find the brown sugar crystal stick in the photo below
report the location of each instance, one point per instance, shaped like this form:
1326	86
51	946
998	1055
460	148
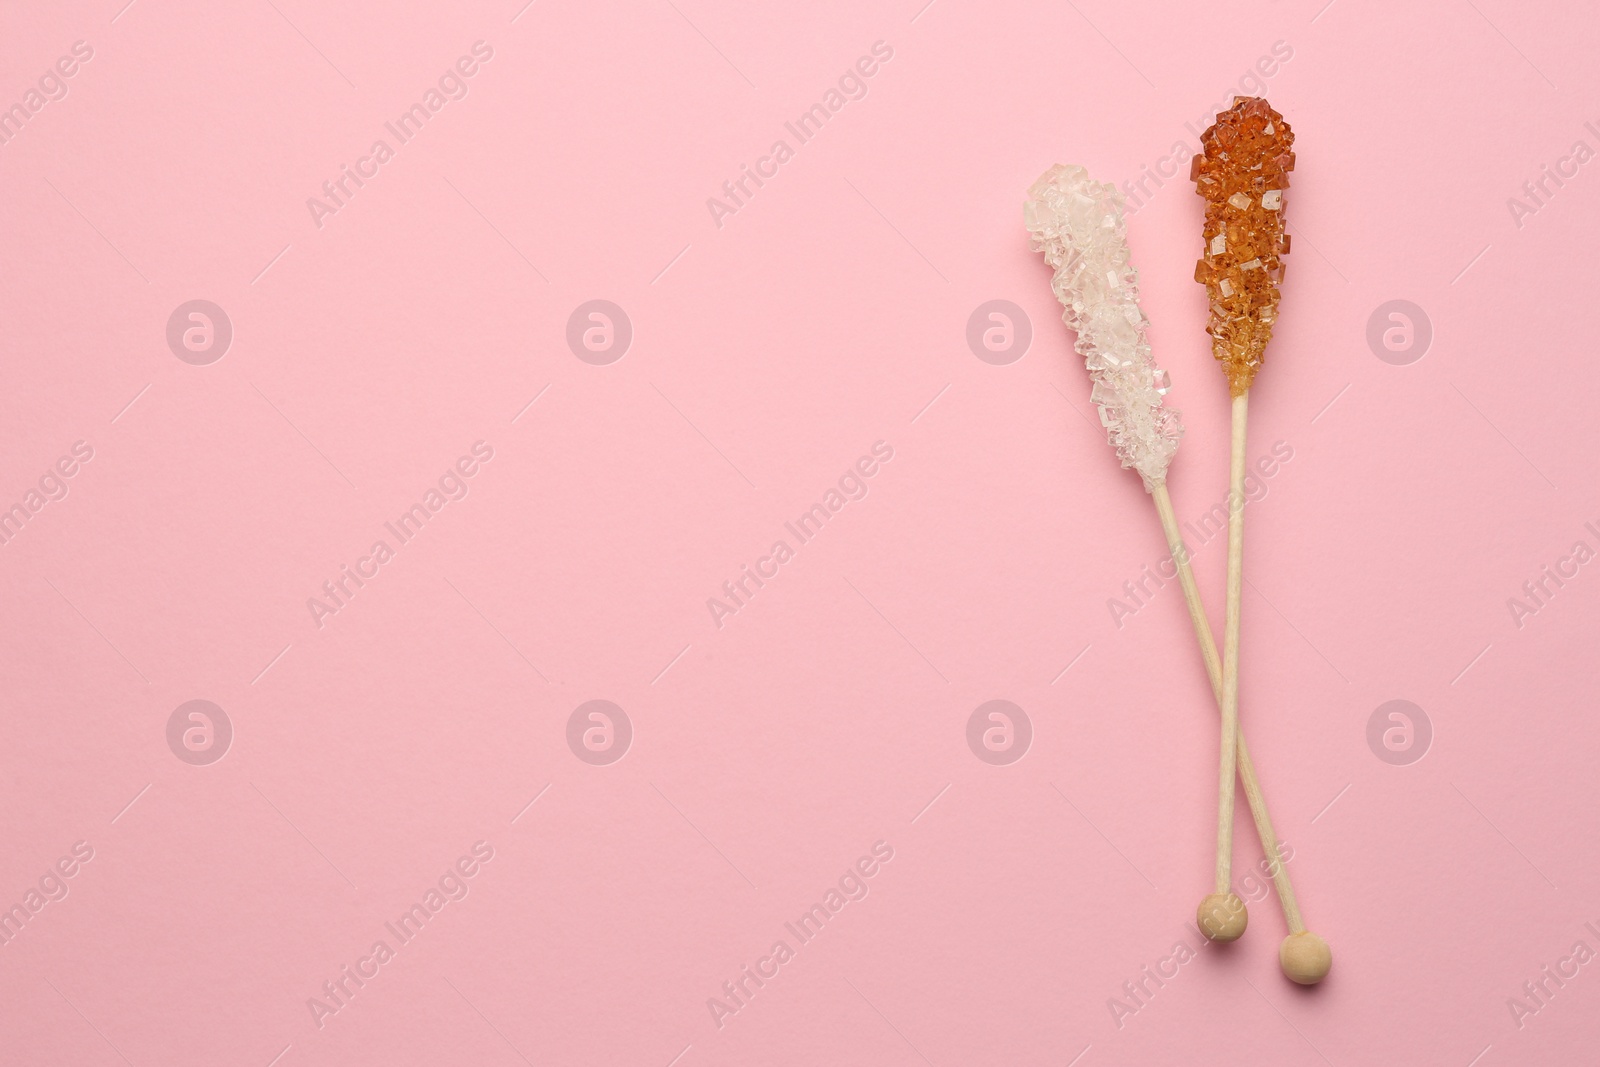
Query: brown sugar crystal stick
1242	172
1080	227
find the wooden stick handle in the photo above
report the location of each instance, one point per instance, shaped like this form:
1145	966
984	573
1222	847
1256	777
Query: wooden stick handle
1230	644
1208	653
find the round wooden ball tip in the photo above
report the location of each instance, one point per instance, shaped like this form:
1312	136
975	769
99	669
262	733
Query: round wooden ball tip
1222	917
1305	958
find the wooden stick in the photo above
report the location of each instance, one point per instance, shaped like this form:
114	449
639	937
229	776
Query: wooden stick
1230	644
1208	653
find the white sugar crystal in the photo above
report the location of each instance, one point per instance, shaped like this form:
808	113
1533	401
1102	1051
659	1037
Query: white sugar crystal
1272	199
1219	244
1079	226
1239	200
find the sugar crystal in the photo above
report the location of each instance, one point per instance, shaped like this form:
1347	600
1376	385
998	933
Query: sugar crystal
1247	151
1078	224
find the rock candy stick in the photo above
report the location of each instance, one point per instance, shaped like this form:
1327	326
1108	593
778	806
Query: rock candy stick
1242	173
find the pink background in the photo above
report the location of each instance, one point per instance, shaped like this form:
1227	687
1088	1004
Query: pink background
830	712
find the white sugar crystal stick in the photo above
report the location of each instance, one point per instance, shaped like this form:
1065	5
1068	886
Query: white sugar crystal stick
1078	224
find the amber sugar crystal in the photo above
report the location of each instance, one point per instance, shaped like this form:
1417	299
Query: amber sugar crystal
1243	171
